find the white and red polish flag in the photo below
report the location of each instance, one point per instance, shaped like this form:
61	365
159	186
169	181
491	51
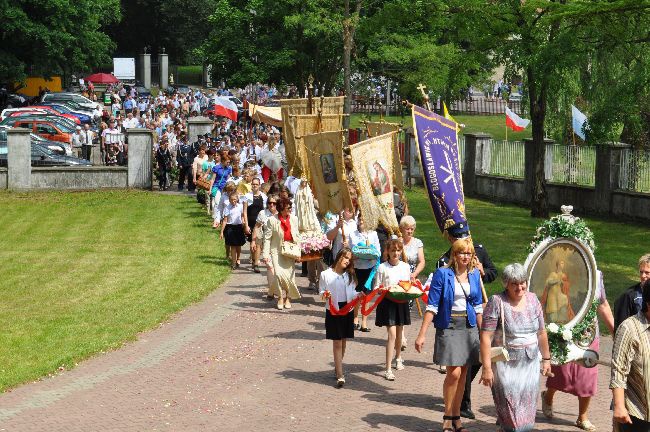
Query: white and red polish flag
226	108
514	122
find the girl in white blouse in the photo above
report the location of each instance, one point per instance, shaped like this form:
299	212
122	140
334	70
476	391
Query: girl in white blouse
339	282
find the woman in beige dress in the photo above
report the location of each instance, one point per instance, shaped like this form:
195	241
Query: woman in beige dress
282	227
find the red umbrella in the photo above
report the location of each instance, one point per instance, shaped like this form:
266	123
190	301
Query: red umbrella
102	78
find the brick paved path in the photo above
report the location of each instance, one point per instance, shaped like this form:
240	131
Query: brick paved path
234	363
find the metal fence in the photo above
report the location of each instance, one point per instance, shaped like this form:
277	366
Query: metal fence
635	170
501	158
481	106
570	164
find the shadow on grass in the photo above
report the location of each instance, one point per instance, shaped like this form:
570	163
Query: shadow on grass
212	259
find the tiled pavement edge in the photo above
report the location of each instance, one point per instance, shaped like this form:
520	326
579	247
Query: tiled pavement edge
234	362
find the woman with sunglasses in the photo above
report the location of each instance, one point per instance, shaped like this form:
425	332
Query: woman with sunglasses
257	241
455	306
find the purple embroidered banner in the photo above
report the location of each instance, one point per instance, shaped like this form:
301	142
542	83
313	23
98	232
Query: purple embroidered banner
437	143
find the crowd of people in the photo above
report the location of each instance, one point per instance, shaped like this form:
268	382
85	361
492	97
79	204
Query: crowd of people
242	170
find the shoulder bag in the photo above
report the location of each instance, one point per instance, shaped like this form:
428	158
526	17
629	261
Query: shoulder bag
500	353
290	250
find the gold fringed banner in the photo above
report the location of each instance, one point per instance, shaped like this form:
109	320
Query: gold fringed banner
326	166
372	163
288	107
380	128
307	124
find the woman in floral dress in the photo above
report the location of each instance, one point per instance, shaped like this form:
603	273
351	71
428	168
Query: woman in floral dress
515	383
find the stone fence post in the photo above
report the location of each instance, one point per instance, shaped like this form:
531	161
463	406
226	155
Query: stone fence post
198	126
140	155
19	159
475	146
608	173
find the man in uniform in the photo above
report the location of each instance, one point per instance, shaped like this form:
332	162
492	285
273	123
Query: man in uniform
184	159
488	273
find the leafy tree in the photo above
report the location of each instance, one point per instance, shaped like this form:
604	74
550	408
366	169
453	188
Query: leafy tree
180	26
50	37
545	40
421	42
275	41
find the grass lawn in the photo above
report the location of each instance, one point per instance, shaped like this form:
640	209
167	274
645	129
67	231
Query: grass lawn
84	272
506	231
493	125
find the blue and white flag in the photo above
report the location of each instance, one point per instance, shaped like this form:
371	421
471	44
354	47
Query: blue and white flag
579	122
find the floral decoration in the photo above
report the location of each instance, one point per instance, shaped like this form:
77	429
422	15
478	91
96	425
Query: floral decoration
560	336
313	242
559	226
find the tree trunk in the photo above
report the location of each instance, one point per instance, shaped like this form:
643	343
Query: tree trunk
349	27
538	95
347	53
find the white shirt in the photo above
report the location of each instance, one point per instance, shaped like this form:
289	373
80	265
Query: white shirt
88	137
248	198
389	275
369	238
233	213
342	287
349	227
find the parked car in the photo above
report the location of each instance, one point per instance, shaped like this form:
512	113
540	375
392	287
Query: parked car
43	157
37	110
46	129
65	112
55	147
514	97
66	125
74	97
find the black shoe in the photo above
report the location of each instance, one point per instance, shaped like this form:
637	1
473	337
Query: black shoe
467	413
365	329
357	326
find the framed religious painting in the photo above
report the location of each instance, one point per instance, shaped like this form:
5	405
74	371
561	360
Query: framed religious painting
562	273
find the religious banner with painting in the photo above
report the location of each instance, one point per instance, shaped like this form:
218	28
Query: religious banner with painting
289	107
380	128
327	171
307	124
372	163
437	144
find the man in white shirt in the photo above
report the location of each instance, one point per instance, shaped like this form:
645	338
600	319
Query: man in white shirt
77	140
87	142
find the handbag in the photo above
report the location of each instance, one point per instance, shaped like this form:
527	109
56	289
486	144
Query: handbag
290	250
500	353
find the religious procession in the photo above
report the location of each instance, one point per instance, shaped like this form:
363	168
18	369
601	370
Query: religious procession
306	200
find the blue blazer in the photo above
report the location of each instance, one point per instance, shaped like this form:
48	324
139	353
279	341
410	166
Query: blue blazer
441	294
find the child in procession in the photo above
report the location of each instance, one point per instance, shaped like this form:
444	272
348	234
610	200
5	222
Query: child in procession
391	314
232	228
339	283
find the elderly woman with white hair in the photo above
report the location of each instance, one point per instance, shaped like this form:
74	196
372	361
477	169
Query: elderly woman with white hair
413	253
514	320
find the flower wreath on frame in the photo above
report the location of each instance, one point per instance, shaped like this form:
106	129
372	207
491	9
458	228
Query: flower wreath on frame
559	336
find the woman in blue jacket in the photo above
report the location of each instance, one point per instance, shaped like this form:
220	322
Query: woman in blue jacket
455	306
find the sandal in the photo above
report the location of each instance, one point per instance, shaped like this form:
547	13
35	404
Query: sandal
458	429
452	418
585	425
547	408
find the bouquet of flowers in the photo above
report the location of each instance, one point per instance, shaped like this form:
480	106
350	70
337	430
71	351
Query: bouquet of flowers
313	242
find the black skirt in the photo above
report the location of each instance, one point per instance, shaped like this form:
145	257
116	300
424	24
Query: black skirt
362	277
339	327
390	313
234	235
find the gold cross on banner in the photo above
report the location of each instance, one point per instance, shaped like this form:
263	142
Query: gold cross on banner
425	96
